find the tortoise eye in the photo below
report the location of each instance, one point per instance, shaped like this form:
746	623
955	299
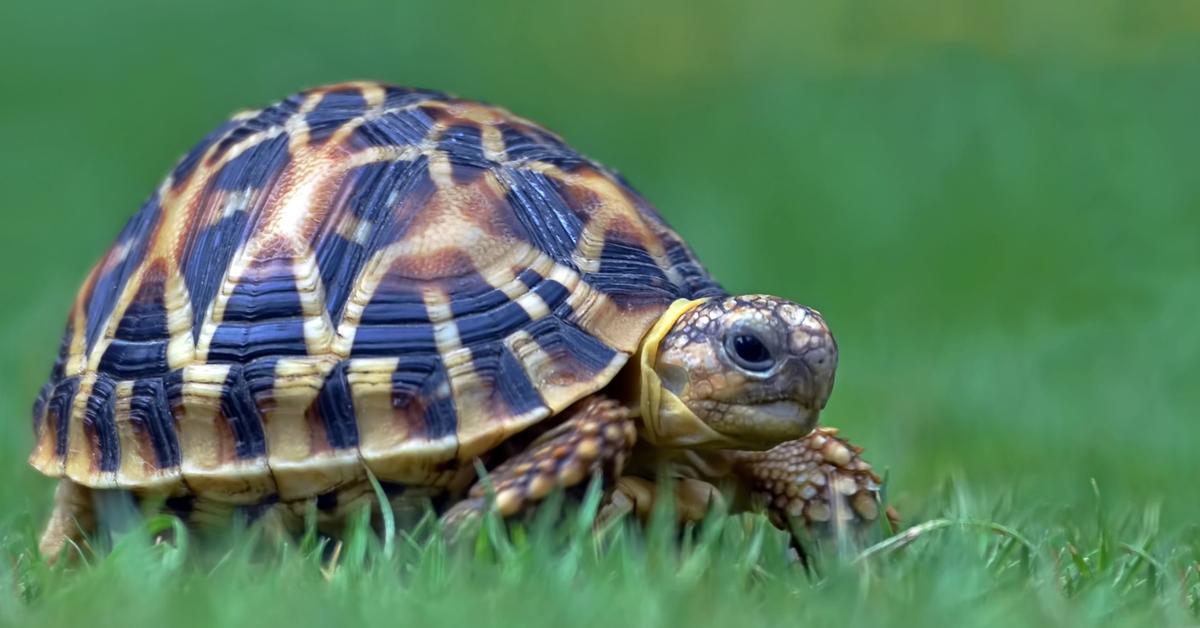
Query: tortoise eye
749	352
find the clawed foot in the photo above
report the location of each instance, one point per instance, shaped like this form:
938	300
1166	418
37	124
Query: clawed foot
817	486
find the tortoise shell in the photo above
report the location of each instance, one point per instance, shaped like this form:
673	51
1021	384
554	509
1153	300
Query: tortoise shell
358	275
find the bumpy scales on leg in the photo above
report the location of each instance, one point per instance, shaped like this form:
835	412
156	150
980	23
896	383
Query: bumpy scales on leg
596	438
820	480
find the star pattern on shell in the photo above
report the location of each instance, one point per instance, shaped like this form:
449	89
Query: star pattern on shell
358	275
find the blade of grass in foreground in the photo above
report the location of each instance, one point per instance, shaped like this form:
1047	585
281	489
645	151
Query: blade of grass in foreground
561	569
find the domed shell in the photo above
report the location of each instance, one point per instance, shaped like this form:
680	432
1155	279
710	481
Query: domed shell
358	275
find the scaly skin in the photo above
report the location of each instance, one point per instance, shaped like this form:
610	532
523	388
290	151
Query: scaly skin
596	439
709	397
820	482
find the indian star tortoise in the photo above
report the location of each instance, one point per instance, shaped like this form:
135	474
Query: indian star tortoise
367	279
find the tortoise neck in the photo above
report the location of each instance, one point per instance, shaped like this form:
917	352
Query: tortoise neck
666	420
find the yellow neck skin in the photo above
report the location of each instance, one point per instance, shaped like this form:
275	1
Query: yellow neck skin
666	420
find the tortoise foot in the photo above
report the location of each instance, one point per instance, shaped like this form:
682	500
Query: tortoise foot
820	481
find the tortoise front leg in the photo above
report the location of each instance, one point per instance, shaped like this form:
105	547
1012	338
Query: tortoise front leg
820	480
596	438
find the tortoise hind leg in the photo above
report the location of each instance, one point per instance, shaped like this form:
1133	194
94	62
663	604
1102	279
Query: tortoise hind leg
72	519
596	438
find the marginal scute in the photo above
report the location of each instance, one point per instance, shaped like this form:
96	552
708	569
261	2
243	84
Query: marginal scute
100	426
297	435
59	410
150	417
240	411
406	416
220	434
335	408
360	276
566	360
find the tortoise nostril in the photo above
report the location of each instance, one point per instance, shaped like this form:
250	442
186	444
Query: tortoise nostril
820	362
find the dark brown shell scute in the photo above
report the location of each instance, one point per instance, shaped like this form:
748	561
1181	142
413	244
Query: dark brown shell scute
358	275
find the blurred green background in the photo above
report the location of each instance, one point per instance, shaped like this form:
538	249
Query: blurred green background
996	204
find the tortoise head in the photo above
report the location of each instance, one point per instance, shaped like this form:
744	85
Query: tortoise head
747	372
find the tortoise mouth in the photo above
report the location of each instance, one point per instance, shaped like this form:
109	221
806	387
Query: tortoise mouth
780	410
768	423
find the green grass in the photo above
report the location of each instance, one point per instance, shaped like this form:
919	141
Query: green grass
1052	568
995	205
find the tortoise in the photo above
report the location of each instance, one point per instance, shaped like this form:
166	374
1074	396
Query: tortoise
367	285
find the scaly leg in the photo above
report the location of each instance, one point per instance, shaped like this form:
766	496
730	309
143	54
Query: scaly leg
820	480
596	438
72	519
